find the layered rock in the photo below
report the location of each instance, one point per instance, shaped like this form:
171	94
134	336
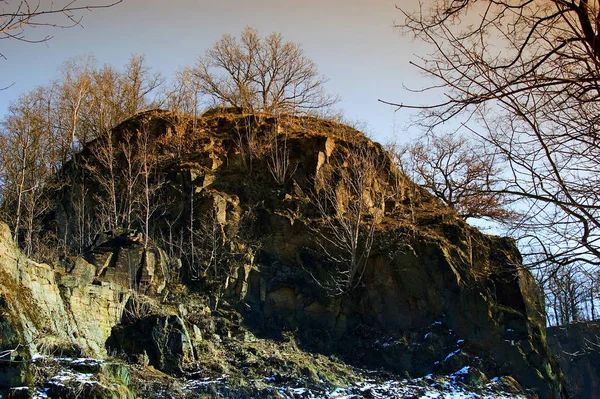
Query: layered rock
71	310
55	312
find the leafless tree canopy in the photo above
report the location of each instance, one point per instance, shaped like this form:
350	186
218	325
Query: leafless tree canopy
45	127
570	295
261	74
523	77
463	176
18	17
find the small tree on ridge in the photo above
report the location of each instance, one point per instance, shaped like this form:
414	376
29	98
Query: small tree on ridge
261	75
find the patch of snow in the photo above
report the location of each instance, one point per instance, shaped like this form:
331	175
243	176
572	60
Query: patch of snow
428	387
451	354
87	361
65	377
64	359
39	394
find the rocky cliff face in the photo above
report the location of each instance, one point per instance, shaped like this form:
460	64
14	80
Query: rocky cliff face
576	347
48	310
251	213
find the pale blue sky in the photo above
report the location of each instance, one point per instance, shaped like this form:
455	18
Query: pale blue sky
352	41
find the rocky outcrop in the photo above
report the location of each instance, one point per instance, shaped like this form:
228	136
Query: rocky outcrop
432	294
577	349
411	290
48	311
161	341
121	257
49	308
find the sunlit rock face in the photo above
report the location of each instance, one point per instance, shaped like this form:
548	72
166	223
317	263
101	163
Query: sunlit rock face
56	310
430	295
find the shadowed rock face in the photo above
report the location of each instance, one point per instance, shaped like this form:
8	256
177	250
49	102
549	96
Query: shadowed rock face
577	349
434	295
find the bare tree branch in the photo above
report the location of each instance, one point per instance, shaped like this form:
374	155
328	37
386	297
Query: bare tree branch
261	75
16	18
523	77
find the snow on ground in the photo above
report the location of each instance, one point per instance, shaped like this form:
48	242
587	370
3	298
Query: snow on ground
428	387
285	387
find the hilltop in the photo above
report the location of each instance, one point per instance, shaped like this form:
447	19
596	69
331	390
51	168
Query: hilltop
232	243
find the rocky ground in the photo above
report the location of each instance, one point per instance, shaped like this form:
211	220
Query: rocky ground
67	378
229	361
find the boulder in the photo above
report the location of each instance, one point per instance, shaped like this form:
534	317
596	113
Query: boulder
164	340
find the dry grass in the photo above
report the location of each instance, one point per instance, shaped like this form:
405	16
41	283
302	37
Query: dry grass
53	345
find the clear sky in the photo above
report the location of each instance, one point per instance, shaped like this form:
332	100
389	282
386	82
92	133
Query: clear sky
353	43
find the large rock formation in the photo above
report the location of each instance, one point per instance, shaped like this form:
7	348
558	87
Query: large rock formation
248	208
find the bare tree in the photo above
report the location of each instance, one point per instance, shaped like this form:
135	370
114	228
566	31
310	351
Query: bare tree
208	244
73	89
151	181
565	294
523	78
17	17
130	176
102	169
460	174
29	158
261	75
43	130
117	95
183	95
137	82
245	129
350	206
278	155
